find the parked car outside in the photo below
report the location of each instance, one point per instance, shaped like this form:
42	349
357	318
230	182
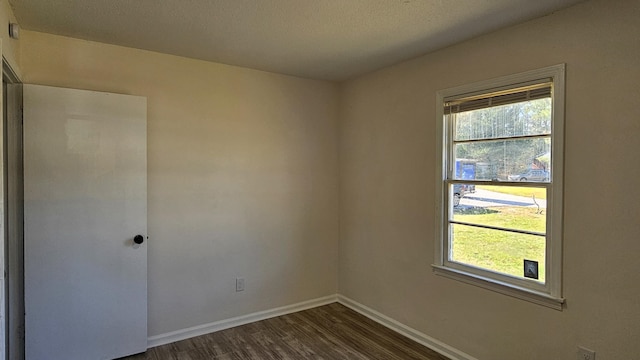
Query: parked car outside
458	192
531	175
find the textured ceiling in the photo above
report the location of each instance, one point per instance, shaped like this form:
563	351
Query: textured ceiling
321	39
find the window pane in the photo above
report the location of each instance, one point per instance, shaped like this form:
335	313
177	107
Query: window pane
507	160
518	119
498	251
510	207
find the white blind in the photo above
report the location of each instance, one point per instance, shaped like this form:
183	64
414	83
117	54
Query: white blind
497	98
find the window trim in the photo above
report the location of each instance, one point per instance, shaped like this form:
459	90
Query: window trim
549	294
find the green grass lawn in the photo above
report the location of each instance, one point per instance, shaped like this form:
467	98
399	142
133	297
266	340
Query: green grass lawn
540	193
499	250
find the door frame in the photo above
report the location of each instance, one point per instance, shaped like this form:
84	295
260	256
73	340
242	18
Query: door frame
13	196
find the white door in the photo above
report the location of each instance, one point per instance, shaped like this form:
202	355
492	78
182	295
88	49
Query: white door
85	178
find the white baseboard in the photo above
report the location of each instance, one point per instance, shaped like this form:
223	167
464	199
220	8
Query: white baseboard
431	343
203	329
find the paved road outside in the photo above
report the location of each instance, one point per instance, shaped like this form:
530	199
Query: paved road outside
485	198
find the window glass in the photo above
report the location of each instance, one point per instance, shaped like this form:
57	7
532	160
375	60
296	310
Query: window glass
520	119
498	227
510	142
498	251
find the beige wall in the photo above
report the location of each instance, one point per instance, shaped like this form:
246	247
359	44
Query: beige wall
10	47
388	162
242	176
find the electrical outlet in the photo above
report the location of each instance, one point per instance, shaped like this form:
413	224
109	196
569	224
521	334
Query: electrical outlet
586	354
239	284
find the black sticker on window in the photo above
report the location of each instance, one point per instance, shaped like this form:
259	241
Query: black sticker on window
531	269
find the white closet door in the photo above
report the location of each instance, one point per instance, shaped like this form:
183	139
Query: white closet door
85	178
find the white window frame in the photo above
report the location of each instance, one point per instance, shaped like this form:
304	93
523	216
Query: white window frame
547	294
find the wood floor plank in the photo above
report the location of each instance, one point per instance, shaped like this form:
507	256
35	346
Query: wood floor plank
149	355
364	346
324	333
372	331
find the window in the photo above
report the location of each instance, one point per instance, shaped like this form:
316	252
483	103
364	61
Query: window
499	222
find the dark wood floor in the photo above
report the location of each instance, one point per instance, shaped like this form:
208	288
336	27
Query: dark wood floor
327	332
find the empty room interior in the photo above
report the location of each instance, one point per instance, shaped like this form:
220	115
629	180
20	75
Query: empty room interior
300	155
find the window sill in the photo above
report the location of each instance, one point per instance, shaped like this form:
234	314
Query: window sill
501	287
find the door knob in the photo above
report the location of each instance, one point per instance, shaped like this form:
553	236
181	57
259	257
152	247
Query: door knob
138	239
